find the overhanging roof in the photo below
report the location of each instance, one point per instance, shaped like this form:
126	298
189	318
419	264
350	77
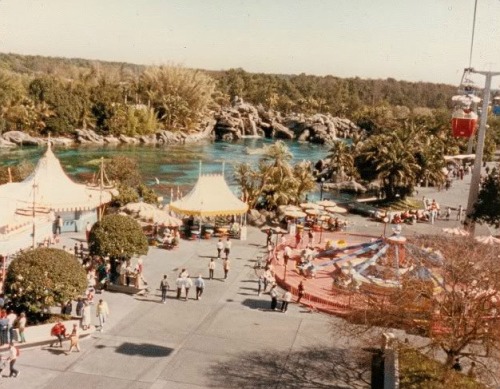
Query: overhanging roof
210	196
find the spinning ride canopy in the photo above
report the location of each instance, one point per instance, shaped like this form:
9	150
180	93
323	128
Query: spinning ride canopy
210	196
53	189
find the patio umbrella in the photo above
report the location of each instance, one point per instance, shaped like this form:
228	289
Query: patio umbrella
487	239
163	218
314	212
327	203
291	208
295	214
336	209
310	206
137	208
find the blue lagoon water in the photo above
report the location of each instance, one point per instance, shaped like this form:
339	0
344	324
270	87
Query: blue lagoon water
174	166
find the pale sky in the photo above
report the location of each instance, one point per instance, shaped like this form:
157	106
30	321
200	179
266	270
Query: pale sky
418	40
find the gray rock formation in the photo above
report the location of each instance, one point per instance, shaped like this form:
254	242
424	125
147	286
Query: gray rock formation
88	137
5	144
129	140
243	119
21	139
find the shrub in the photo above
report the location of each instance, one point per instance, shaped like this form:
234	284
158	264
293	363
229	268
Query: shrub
42	278
116	236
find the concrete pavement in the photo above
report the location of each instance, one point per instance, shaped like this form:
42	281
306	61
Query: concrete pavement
199	344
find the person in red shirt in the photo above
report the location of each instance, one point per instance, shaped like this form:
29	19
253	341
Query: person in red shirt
59	331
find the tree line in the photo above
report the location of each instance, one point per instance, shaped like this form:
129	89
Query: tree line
58	95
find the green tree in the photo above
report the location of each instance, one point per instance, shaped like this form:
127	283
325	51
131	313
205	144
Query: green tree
394	162
117	235
341	161
487	207
275	181
179	96
124	171
42	278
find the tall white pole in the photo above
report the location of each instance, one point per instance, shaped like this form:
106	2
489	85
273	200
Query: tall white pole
478	161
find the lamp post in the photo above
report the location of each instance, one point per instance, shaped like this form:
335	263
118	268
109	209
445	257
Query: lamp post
478	161
321	183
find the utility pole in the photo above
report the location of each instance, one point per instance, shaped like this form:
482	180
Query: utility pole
478	161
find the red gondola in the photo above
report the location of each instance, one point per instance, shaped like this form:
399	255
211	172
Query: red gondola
464	122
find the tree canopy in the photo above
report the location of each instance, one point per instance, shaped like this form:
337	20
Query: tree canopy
116	236
42	278
487	207
275	181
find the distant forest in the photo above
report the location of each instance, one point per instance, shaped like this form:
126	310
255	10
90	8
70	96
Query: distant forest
41	94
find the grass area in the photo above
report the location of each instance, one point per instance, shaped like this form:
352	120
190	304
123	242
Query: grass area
418	371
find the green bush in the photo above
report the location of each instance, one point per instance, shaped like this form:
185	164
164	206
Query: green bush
117	236
42	278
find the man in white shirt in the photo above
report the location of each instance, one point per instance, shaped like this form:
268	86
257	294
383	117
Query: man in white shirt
227	247
220	247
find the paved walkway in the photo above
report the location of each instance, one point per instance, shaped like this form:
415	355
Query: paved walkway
229	339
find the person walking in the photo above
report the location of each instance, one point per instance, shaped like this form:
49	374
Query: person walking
164	287
59	331
102	312
260	283
211	269
21	326
220	247
287	297
287	254
86	314
227	247
59	225
274	297
199	283
88	228
459	213
298	238
188	283
310	235
12	358
179	284
79	306
227	266
74	339
301	291
11	318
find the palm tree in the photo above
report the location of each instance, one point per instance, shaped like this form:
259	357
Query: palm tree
304	180
341	160
394	162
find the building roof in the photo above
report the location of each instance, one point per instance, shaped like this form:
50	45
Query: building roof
49	187
210	196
